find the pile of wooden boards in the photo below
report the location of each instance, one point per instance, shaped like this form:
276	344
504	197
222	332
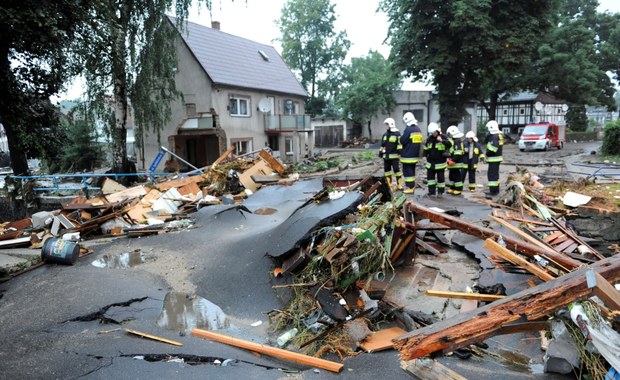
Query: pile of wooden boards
565	279
143	208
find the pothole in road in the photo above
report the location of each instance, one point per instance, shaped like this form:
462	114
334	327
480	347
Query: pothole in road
120	261
184	312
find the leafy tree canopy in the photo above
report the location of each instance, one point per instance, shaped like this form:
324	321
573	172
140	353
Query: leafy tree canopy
369	83
312	48
33	66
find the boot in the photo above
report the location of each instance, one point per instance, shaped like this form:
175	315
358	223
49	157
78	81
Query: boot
388	182
409	190
400	183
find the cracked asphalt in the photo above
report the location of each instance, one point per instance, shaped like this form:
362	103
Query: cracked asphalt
65	322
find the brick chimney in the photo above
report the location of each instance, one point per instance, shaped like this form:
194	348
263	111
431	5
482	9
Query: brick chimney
215	25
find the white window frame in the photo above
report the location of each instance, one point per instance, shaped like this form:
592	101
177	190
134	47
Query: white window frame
240	106
242	146
289	146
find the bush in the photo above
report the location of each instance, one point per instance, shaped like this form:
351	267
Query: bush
611	139
581	136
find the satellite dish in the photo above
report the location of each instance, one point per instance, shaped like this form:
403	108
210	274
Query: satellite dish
538	106
264	105
564	107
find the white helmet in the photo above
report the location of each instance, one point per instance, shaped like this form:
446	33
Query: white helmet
471	135
409	119
454	131
432	128
390	122
493	127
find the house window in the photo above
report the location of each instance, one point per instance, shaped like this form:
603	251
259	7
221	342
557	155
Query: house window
291	107
242	146
190	109
288	143
239	106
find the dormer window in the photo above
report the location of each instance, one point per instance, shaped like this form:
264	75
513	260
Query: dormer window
264	55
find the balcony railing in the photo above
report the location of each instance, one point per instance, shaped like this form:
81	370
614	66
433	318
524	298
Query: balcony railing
287	123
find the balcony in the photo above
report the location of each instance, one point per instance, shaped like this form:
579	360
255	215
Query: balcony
287	123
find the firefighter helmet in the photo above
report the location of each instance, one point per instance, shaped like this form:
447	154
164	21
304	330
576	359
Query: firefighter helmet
409	119
432	128
493	127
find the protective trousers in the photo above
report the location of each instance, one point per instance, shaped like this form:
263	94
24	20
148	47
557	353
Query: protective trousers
455	177
436	178
409	174
493	177
392	167
470	170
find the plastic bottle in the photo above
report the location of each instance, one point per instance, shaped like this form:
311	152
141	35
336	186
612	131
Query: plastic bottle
284	338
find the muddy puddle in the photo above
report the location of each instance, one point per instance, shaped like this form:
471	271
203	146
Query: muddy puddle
265	211
120	261
184	312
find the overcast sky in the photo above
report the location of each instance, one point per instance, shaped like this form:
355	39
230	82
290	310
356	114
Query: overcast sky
255	20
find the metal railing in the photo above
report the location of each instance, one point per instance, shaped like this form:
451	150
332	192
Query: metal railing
84	177
287	123
599	171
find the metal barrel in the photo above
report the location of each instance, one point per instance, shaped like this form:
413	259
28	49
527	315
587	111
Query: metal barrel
60	251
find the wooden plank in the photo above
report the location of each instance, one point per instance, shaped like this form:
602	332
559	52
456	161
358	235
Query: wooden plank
528	249
191	188
110	186
509	256
17	242
465	296
564	245
153	337
260	167
517	231
223	156
271	351
603	290
180	182
480	324
429	369
381	340
132	192
549	238
275	165
570	248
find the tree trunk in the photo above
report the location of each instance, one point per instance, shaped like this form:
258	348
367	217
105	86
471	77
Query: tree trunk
493	106
19	162
119	80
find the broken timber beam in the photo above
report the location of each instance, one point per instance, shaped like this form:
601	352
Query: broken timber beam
487	321
466	226
465	296
271	351
509	256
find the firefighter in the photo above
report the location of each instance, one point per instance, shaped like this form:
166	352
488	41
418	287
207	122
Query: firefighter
472	152
494	146
436	152
390	151
455	162
411	141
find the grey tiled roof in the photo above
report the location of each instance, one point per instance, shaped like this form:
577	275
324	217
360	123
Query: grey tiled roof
234	61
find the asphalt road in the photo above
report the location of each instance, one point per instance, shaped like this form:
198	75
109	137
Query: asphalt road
63	321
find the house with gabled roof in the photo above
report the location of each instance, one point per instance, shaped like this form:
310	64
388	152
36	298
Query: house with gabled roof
236	92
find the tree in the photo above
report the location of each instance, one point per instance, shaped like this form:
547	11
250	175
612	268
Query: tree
33	67
369	83
611	139
81	151
129	61
576	118
312	48
571	65
469	49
